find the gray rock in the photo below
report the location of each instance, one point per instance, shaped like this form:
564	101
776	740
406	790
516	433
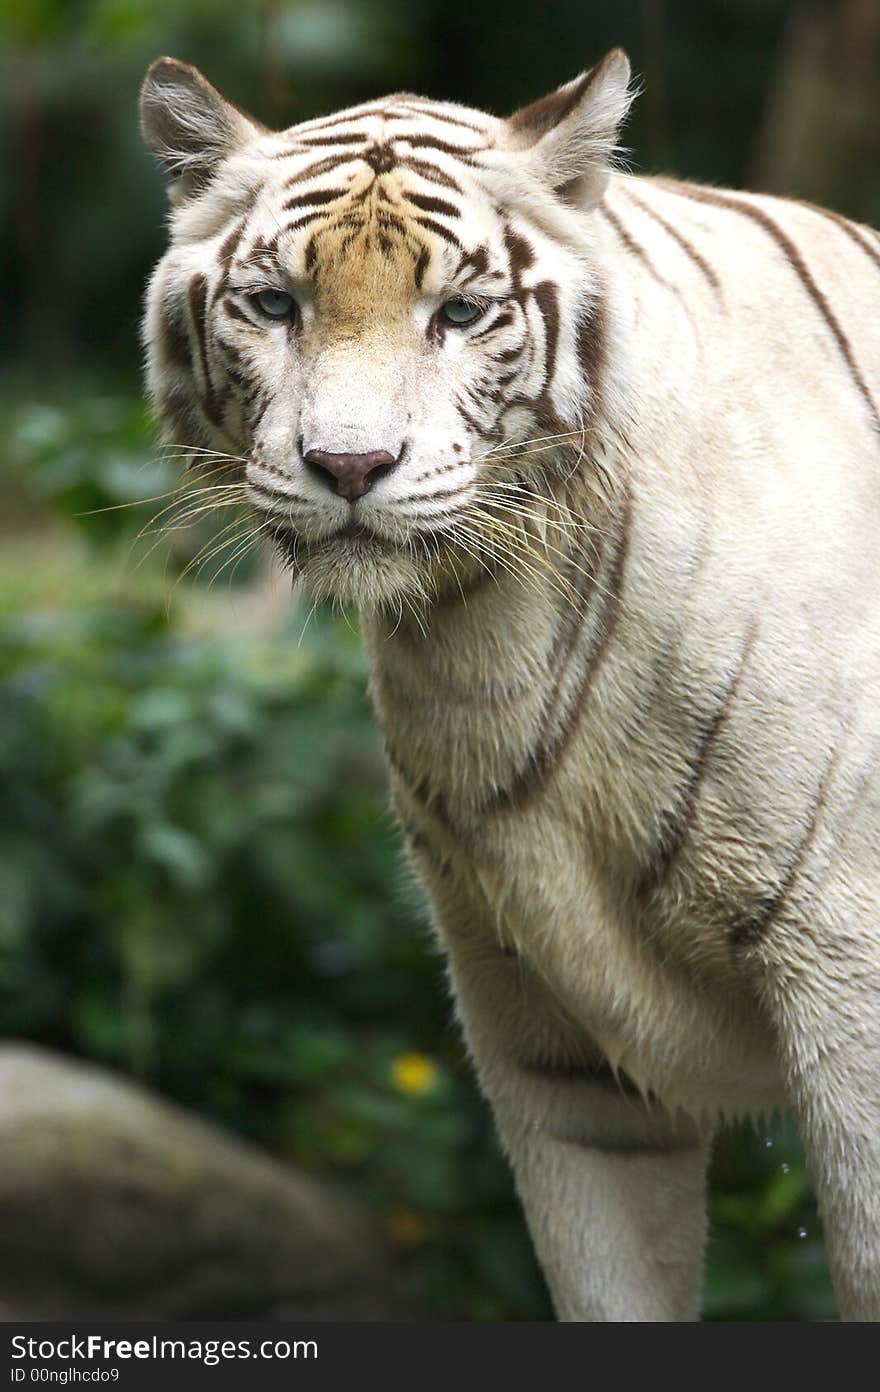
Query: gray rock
117	1204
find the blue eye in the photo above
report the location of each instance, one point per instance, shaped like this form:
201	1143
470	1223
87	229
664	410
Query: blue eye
275	304
461	312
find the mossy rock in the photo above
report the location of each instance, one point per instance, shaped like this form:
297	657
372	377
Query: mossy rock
115	1203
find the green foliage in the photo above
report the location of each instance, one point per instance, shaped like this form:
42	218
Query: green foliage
766	1260
201	884
89	457
86	457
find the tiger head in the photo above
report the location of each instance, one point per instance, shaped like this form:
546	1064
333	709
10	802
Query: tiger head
389	317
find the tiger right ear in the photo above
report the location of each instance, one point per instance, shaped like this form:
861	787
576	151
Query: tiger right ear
189	124
571	134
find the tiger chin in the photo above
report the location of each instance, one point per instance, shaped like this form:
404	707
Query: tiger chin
597	458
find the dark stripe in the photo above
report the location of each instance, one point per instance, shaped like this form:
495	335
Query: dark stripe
259	247
546	757
853	230
635	248
420	842
429	142
596	1071
476	262
432	205
308	137
591	350
421	266
197	295
381	159
177	410
439	230
521	255
390	221
432	173
501	322
235	312
673	835
355	138
750	931
173	339
428	110
631	1146
322	166
387	216
343	118
352	218
436	472
229	350
308	218
261	407
422	791
484	432
315	199
547	301
687	247
228	248
481	394
798	265
429	497
276	495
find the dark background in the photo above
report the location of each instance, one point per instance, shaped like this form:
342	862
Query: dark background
200	883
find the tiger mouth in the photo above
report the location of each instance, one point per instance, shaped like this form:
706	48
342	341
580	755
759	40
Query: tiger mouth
354	538
356	545
359	534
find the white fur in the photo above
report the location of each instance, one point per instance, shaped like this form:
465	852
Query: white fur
725	673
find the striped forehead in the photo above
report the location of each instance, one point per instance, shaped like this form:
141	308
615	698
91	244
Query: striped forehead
451	129
392	184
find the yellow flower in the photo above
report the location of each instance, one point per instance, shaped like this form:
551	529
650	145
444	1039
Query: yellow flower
413	1074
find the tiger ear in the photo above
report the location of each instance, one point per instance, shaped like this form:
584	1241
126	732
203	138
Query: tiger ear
189	124
571	134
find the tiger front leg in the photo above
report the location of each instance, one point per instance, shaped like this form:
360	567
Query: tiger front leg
613	1188
823	986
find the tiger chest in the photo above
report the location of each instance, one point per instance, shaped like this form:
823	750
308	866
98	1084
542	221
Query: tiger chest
524	899
567	869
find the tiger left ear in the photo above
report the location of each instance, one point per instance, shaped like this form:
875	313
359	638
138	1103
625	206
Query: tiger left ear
571	134
189	124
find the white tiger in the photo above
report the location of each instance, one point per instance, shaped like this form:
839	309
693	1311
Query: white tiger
597	457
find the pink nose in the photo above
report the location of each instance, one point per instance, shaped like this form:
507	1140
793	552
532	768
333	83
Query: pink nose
352	475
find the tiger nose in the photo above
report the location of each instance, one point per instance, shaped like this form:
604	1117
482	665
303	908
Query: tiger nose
352	475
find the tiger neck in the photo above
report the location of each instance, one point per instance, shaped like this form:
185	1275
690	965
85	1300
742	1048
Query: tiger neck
478	700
